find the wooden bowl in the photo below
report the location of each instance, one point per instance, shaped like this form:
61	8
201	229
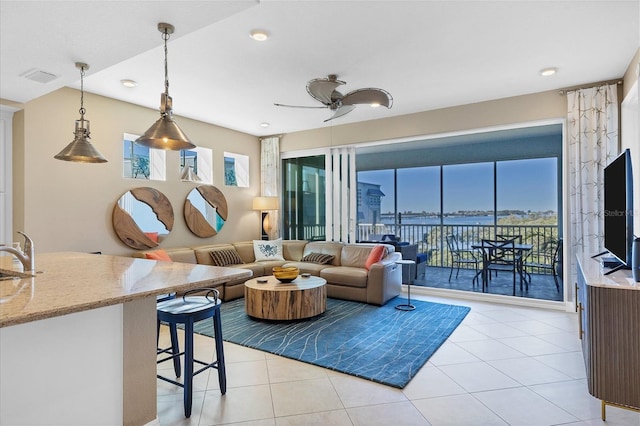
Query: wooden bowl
285	275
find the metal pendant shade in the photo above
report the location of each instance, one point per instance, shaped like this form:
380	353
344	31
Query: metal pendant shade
81	150
165	133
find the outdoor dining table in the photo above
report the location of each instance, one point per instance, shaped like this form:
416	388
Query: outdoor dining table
518	249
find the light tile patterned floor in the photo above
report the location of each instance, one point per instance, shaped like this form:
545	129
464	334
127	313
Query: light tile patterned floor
504	365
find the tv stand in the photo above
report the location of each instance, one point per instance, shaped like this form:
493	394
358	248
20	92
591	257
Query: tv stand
609	326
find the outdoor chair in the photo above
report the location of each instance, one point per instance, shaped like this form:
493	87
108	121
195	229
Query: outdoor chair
501	255
548	259
461	256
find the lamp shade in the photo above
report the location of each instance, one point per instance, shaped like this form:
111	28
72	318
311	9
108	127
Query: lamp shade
266	203
165	133
81	150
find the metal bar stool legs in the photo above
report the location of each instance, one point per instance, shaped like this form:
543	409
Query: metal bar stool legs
188	310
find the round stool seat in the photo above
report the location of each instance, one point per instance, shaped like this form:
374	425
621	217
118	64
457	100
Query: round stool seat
194	307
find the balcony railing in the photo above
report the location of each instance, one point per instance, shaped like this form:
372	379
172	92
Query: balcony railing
430	239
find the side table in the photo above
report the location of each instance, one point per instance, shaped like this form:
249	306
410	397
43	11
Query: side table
410	265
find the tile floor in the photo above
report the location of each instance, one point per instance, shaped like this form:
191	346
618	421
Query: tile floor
504	365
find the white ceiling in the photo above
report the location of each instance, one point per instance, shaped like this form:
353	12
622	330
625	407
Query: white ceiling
427	54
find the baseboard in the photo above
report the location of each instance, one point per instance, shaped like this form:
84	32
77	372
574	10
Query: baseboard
494	298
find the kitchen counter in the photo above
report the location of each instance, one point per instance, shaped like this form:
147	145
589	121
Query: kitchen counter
78	339
69	282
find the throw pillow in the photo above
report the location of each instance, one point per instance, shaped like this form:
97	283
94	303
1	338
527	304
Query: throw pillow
225	257
319	258
376	255
268	250
159	254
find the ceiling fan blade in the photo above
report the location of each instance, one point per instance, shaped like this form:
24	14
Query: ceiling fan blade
299	106
369	96
324	89
344	109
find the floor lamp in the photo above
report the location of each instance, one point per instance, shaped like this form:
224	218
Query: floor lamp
264	204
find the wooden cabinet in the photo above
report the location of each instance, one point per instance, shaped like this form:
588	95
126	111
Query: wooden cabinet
609	315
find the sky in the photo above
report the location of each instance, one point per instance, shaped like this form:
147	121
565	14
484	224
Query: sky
522	185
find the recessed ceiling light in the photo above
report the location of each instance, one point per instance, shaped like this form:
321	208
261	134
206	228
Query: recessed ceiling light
259	35
375	105
264	124
128	83
546	72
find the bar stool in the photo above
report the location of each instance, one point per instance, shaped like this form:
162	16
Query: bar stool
187	310
173	333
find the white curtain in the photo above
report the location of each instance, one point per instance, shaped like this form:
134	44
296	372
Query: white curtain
270	177
341	195
592	131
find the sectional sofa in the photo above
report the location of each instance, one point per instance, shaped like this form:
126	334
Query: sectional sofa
344	266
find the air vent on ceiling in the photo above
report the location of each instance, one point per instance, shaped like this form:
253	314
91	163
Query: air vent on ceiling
39	76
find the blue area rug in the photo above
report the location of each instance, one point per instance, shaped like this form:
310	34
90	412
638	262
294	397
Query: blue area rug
378	343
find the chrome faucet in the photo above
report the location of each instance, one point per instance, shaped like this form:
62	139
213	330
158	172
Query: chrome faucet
26	257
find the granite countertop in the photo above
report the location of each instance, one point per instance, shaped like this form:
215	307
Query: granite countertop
69	282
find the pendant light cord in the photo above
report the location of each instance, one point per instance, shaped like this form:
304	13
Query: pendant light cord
165	37
82	110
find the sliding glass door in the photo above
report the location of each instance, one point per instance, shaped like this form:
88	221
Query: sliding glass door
304	198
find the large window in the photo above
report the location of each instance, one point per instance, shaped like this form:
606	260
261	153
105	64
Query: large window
304	198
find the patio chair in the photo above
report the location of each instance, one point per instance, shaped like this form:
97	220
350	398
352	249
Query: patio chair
548	260
461	256
501	255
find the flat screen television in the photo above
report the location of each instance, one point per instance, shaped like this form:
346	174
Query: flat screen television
618	208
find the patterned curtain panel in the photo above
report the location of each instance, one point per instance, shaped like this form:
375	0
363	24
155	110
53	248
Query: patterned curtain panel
592	131
270	177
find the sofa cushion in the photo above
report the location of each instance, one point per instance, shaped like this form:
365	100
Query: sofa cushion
345	275
225	257
293	249
308	267
320	258
325	247
376	255
268	250
245	250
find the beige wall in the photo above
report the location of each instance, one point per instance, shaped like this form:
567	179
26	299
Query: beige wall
500	112
68	206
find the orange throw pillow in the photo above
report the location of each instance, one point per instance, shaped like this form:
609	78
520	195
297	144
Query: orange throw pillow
376	255
159	254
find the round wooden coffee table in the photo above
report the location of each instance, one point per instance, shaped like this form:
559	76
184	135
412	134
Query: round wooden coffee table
273	300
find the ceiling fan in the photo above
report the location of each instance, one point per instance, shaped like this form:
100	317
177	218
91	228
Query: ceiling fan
324	91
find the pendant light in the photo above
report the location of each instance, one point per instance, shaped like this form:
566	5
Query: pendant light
81	150
165	133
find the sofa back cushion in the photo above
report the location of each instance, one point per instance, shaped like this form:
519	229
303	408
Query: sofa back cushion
356	255
245	250
293	249
203	253
325	247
